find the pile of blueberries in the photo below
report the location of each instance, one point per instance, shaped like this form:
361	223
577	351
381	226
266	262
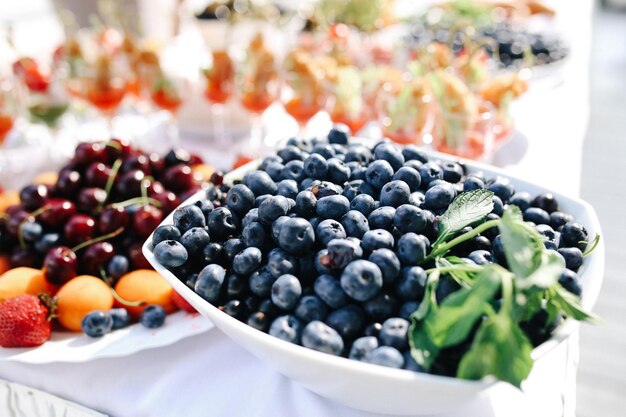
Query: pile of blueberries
511	43
323	244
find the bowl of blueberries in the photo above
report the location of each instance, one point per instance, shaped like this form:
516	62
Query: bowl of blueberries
382	276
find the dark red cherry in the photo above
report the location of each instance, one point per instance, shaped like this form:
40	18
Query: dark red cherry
178	178
177	156
68	183
157	163
33	196
140	162
168	201
58	212
155	187
79	228
118	148
97	175
15	221
113	218
24	257
87	153
146	219
129	184
217	177
95	257
89	199
60	265
195	159
136	258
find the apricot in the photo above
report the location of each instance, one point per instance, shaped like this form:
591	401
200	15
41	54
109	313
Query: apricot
23	280
7	199
78	297
147	286
47	178
203	171
5	264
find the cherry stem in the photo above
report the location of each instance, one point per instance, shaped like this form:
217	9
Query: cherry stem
594	244
118	297
107	188
138	200
113	144
97	239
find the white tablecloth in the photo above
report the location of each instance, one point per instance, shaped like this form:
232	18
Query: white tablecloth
208	375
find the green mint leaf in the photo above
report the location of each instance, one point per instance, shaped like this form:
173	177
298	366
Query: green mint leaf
551	266
458	313
501	349
423	349
463	277
466	210
568	304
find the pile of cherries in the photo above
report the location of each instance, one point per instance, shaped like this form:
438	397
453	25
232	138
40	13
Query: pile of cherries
94	219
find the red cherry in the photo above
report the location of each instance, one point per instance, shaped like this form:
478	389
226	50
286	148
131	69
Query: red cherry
79	228
33	196
24	257
195	159
140	162
129	184
136	258
97	175
146	219
15	221
89	199
13	209
118	148
58	212
68	183
112	218
157	164
95	257
168	201
178	178
155	187
184	196
60	265
87	153
217	177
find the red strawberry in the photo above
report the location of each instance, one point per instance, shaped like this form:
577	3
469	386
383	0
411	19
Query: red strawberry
24	322
181	303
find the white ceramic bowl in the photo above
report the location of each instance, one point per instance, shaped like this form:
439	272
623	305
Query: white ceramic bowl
376	388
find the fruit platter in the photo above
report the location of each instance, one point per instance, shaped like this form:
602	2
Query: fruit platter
385	278
72	261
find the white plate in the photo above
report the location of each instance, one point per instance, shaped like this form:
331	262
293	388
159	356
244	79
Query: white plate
76	347
375	388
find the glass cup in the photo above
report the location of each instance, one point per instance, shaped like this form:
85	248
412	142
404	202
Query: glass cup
468	135
168	93
347	103
219	88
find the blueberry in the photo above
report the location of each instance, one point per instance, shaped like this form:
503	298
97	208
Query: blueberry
574	235
378	174
165	232
358	153
275	172
296	236
363	203
410	364
381	307
430	171
209	283
293	170
382	218
340	252
152	317
357	172
120	318
316	166
280	263
410	286
277	226
408	308
260	183
481	257
235	308
413	153
329	290
546	202
254	235
287	188
332	207
96	323
325	189
259	321
291	153
260	282
355	224
472	183
260	199
362	347
191	281
388	263
287	328
338	172
31	231
415	164
452	172
377	239
573	258
412	248
390	153
559	219
385	356
117	266
395	193
187	217
272	208
321	337
339	134
268	160
286	292
232	247
498	206
305	204
247	261
409	218
410	176
328	230
348	321
373	330
536	215
170	253
310	308
503	188
522	200
47	242
546	231
236	286
194	240
498	250
352	188
222	223
361	280
440	196
325	150
394	333
571	282
212	253
240	199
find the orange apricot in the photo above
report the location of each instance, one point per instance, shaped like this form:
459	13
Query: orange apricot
47	178
8	198
23	280
147	286
78	297
5	264
203	171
